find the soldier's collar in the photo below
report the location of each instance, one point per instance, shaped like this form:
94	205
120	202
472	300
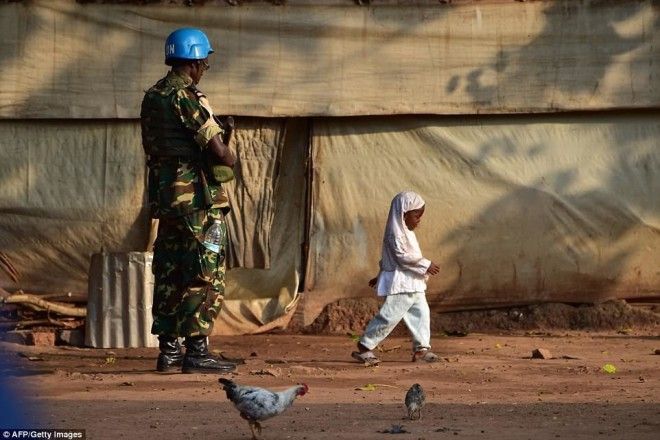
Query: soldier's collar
178	80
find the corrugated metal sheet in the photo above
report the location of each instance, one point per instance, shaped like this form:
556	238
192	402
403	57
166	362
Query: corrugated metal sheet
119	302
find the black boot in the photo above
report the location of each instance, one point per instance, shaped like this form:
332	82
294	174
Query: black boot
199	360
171	355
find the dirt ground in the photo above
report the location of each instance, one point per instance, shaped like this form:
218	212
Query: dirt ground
485	387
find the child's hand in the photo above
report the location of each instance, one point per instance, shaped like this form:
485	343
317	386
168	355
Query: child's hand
433	269
373	281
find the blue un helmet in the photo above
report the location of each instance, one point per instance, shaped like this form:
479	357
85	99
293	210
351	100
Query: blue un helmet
187	44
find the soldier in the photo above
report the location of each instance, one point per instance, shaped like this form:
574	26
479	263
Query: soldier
181	136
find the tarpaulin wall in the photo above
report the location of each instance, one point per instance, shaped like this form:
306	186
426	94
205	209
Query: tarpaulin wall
63	59
72	188
72	169
518	209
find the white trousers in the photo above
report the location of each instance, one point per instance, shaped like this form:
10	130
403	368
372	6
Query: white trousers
412	308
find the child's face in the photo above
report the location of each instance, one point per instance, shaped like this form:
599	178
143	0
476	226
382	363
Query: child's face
412	218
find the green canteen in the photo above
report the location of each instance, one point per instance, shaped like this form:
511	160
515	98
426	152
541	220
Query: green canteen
223	173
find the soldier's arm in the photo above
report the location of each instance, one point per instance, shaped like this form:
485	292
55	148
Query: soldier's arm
221	151
208	133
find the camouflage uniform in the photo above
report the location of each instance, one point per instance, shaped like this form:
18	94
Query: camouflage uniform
189	279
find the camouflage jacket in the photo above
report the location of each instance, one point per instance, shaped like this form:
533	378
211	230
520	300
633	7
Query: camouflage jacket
176	129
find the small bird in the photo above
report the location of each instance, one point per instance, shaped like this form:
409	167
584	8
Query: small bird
415	398
258	404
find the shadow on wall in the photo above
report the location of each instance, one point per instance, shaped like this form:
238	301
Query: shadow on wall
555	59
64	218
571	233
72	187
577	230
582	231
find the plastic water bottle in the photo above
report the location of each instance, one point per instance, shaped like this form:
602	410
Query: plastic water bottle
213	237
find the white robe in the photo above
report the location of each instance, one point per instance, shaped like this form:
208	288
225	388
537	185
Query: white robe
402	265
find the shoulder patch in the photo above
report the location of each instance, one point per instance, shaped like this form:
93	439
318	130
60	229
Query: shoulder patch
195	91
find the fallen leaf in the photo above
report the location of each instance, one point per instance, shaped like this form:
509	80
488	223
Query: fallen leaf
373	386
609	368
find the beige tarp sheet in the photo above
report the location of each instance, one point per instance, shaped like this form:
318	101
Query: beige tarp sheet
260	144
62	59
519	209
261	299
71	188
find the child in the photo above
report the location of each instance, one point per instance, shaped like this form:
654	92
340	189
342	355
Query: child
402	280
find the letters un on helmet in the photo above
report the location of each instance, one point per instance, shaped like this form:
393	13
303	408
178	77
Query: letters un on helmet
187	44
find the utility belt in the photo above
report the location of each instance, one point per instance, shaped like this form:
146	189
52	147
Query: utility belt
217	174
174	155
175	151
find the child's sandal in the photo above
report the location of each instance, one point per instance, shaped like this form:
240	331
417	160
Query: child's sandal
368	358
426	356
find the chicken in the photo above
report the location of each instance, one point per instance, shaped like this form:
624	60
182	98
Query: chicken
415	398
258	404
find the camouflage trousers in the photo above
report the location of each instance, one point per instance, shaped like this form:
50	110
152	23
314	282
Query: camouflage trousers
189	280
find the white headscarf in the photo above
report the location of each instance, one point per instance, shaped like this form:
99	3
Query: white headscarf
397	236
